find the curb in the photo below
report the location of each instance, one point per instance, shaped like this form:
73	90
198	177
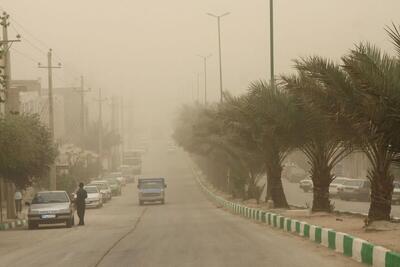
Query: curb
356	248
13	225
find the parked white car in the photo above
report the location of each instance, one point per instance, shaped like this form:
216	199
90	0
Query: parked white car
396	193
94	198
335	184
104	189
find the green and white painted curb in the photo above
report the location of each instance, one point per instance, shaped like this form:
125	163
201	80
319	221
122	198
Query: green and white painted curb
356	248
13	224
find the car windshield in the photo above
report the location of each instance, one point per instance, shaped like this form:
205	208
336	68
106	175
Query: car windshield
102	186
339	181
112	181
91	189
50	197
151	185
353	182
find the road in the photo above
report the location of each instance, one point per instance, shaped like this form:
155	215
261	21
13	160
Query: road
187	231
296	196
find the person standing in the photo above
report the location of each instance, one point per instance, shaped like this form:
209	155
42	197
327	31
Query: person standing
18	201
81	195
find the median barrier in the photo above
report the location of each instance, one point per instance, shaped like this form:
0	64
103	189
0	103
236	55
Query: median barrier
356	248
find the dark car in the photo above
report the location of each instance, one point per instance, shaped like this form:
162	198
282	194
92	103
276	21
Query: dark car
355	189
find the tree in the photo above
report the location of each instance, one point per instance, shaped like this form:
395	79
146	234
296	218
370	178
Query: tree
276	122
363	92
26	149
322	138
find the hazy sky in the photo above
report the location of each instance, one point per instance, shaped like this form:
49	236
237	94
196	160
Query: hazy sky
147	49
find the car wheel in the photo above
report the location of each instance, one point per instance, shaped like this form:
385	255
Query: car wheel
141	203
305	190
163	202
32	226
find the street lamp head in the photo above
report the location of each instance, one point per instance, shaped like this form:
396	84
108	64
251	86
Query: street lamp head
225	14
59	64
212	15
18	36
39	64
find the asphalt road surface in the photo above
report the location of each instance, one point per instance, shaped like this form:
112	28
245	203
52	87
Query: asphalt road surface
297	196
187	231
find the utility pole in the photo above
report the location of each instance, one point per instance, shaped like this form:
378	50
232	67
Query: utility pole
122	127
100	130
82	92
50	67
205	76
198	88
11	106
271	26
219	49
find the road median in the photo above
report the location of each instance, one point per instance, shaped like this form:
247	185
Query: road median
358	249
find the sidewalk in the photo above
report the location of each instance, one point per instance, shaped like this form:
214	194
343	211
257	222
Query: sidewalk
21	221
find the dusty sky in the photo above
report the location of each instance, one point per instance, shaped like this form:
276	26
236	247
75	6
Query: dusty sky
147	49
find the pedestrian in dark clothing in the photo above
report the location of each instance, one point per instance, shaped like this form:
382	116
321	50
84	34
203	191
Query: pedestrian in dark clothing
81	195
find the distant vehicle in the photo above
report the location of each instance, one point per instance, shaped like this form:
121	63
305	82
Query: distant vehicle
128	173
50	207
151	190
119	176
94	198
306	185
396	193
114	185
293	173
133	158
335	184
172	149
357	189
104	189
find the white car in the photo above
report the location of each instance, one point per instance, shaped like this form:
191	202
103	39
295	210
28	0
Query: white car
94	198
335	184
104	189
396	193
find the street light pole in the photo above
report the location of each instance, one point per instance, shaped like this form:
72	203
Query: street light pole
271	26
219	50
205	76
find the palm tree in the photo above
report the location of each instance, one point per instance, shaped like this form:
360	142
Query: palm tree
321	142
362	95
268	120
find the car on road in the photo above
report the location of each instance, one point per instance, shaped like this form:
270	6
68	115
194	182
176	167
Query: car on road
151	190
396	193
306	185
335	184
51	207
94	198
115	186
128	172
355	189
104	189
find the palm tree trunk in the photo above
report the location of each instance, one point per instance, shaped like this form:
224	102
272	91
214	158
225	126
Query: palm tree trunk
381	185
275	188
321	177
381	197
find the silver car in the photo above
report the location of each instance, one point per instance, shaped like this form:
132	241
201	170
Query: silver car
94	197
49	207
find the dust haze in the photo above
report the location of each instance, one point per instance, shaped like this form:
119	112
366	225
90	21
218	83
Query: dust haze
146	51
